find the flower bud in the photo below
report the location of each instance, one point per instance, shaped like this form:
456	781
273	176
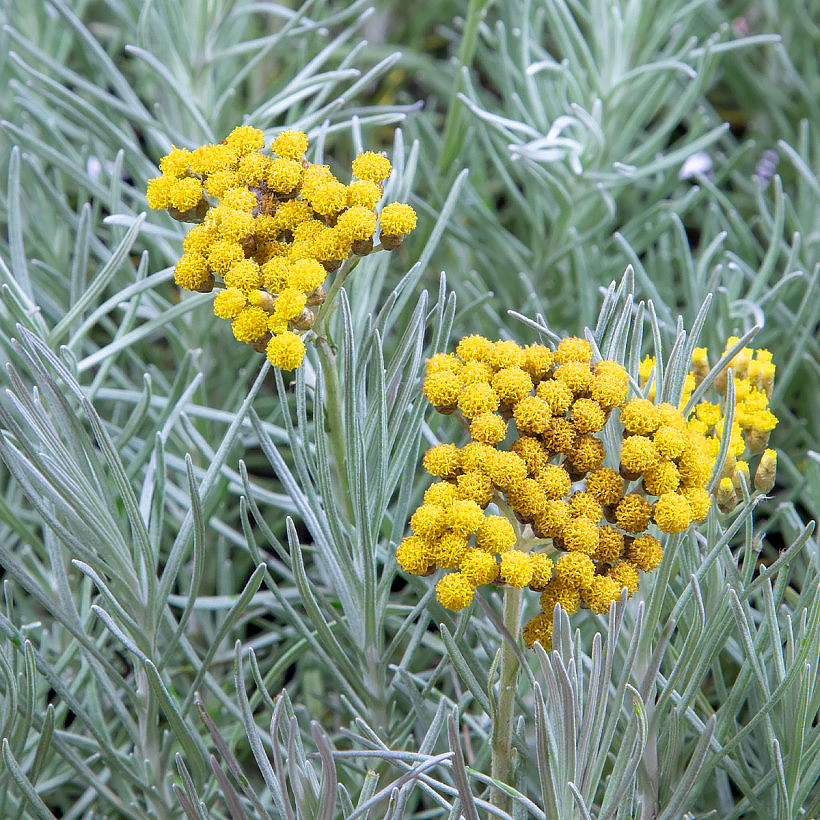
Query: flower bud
726	496
741	469
700	364
757	440
263	299
729	465
766	472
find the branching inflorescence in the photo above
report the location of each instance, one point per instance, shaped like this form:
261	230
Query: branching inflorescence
272	228
565	524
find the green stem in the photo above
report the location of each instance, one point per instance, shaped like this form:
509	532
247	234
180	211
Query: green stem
329	304
648	771
148	722
334	425
334	420
503	753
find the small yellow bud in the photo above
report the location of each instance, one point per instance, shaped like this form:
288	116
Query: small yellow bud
766	472
726	495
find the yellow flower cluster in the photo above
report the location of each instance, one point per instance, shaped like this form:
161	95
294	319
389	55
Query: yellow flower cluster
753	420
534	416
271	228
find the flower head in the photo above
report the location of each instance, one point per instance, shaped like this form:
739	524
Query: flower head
455	591
290	144
397	219
245	139
192	272
286	350
371	167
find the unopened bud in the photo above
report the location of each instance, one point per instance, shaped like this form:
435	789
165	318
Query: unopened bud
766	379
331	265
722	381
757	440
741	363
726	496
766	472
728	465
263	299
700	364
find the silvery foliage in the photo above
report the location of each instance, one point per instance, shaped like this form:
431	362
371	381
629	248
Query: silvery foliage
178	544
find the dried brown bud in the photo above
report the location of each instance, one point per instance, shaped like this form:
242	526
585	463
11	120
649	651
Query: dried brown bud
260	345
362	247
195	214
304	321
248	245
316	297
628	474
390	241
208	285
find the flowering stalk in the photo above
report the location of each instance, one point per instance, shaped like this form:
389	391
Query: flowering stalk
334	424
270	229
503	753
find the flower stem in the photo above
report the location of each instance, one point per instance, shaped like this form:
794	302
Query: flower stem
329	305
503	753
334	425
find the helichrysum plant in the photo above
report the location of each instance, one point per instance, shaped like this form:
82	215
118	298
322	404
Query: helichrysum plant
343	555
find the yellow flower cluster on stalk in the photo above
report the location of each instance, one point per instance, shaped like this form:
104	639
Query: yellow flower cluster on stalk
562	522
271	228
753	421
